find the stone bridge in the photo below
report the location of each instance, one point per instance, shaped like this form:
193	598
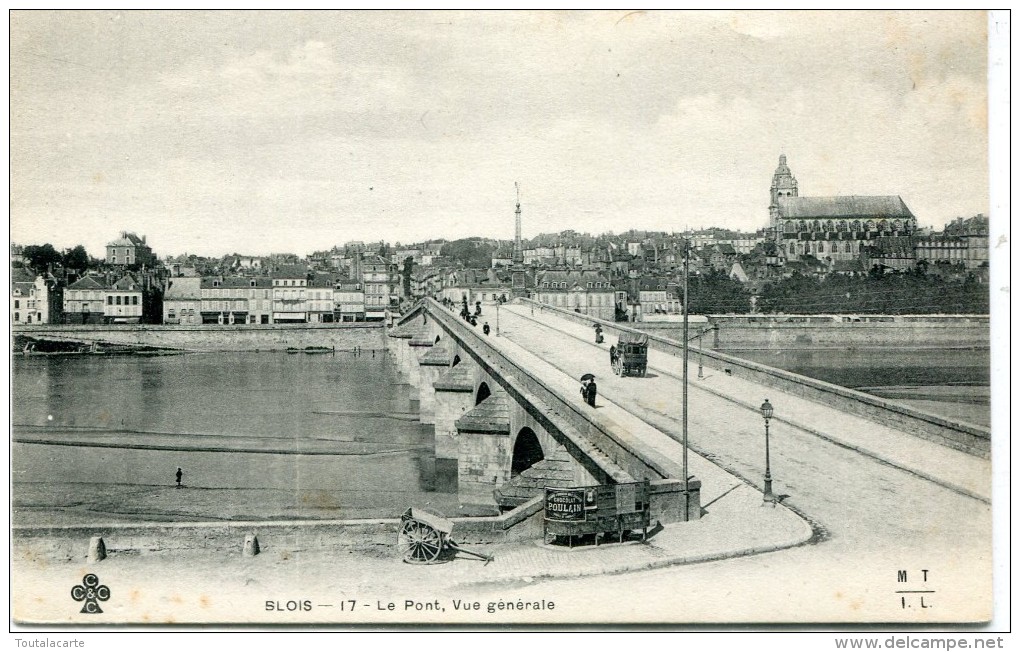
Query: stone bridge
510	432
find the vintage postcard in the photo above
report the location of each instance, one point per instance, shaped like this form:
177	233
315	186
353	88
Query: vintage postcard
527	318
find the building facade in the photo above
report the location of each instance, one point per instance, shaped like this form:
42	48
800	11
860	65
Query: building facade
129	249
964	242
91	301
182	300
587	292
349	302
35	300
379	280
321	302
84	301
290	294
124	302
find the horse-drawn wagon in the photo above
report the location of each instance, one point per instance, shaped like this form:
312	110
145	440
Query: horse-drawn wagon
630	355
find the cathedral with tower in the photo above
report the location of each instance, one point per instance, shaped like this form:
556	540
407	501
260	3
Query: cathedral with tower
834	228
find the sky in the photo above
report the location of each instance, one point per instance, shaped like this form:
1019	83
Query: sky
220	132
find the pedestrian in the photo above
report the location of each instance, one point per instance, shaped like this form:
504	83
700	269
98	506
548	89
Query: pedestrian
485	328
612	355
584	390
180	474
590	392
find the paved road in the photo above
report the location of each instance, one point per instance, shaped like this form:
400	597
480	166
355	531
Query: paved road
878	518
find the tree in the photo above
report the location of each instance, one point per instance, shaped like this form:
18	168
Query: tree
40	257
715	292
76	259
469	253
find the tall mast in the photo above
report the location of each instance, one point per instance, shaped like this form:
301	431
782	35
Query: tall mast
687	495
518	277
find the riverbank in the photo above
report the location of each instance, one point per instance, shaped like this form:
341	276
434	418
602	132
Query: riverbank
366	336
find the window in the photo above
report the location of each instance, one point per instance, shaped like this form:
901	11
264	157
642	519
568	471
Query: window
134	300
109	300
118	300
16	304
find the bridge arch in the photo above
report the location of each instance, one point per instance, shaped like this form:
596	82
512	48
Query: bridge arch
483	393
527	451
437	339
456	360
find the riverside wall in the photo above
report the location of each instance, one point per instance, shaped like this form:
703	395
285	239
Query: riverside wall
72	542
212	337
738	334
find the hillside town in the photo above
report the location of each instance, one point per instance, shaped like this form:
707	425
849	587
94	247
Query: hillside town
809	243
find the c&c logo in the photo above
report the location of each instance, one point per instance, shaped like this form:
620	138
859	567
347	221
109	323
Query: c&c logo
90	591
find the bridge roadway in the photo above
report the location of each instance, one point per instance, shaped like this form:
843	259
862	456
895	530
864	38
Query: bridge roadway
886	501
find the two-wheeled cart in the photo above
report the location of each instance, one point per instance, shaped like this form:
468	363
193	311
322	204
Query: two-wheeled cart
424	537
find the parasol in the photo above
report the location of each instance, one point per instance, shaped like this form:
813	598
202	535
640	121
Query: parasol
588	377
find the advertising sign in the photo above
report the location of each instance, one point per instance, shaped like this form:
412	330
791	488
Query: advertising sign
564	504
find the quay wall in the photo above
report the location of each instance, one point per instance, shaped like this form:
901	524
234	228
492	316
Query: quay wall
960	436
769	335
213	337
72	541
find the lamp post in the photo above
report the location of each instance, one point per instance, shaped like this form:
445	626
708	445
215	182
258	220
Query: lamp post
768	497
497	317
700	361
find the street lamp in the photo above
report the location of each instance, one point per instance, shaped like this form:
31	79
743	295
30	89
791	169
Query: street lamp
700	361
497	317
768	497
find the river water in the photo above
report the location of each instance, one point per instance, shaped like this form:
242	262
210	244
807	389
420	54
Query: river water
300	436
256	435
954	383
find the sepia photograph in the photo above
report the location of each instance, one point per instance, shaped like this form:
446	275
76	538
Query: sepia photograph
503	320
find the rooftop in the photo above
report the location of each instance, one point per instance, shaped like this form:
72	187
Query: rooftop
844	206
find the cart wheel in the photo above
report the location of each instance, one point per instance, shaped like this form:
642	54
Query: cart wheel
418	543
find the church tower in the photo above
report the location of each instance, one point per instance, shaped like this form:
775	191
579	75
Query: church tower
784	184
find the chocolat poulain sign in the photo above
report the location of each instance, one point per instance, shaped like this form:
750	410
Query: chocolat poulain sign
564	504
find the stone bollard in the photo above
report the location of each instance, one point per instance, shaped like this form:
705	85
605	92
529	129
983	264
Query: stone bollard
251	545
97	549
